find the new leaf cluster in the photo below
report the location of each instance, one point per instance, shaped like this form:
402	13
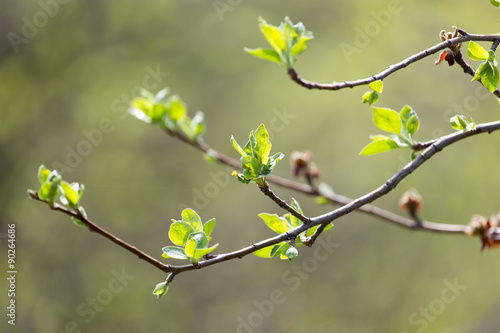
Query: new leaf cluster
487	71
170	114
402	125
52	186
287	41
281	225
191	237
255	160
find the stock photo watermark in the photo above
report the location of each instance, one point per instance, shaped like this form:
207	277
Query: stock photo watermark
221	179
372	29
11	273
427	314
223	6
88	309
292	278
74	155
31	26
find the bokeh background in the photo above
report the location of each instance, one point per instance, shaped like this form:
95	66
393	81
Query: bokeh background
67	68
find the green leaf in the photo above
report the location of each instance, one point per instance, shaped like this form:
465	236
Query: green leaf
251	166
241	178
412	125
378	86
190	250
237	147
387	120
495	3
160	289
295	222
492	57
300	44
174	252
43	174
69	193
476	52
201	252
157	112
200	238
275	223
263	146
273	35
481	70
370	97
78	222
380	145
191	217
179	232
278	250
491	78
290	253
265	54
47	191
208	227
176	108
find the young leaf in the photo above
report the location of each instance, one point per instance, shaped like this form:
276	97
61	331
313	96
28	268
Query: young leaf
201	252
179	232
278	250
177	108
43	174
265	54
174	252
491	78
495	3
476	52
377	86
191	217
380	145
200	238
160	289
275	222
190	250
370	97
481	71
237	147
263	146
273	35
209	226
387	120
69	193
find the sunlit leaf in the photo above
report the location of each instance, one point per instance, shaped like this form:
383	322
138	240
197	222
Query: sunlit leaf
387	120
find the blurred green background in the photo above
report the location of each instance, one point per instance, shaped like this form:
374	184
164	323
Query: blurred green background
75	66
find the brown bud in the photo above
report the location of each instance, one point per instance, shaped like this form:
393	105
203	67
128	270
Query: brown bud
477	225
299	162
411	201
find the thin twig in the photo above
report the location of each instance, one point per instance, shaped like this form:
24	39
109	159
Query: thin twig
95	228
334	198
281	203
393	68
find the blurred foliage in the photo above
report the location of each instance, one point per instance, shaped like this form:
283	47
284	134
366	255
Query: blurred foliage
64	96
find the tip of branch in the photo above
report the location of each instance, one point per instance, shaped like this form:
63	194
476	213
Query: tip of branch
32	194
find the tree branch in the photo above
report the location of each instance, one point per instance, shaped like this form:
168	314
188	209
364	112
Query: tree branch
390	184
321	220
281	203
95	228
393	68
